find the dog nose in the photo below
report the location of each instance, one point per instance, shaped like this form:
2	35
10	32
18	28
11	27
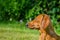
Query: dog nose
27	24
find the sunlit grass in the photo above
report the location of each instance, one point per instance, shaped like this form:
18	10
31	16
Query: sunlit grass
15	32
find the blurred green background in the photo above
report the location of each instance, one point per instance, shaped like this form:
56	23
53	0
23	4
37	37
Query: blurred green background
14	14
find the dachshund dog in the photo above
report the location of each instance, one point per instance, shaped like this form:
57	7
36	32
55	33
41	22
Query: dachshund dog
43	23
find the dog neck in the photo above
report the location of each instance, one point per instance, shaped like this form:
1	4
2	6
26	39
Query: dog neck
50	31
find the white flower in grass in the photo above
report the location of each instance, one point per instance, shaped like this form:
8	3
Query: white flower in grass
10	19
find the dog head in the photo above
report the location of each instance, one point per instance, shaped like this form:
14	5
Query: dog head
40	22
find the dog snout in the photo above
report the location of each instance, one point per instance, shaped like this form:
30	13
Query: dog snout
27	24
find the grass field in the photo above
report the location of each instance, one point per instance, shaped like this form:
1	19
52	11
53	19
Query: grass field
17	31
14	31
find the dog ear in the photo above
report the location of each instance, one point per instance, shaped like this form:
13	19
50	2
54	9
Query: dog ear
45	22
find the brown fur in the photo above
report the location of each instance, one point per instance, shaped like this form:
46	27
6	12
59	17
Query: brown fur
43	23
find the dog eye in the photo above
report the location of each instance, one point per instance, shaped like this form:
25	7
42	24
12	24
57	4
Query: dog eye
37	25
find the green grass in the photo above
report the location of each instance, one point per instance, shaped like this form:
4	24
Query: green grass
18	31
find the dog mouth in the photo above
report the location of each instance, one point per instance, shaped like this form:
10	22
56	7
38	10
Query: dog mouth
34	28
